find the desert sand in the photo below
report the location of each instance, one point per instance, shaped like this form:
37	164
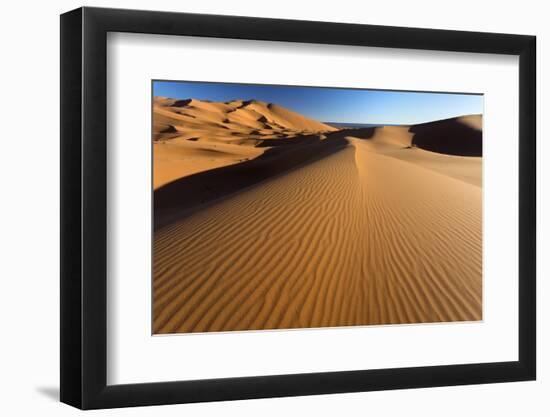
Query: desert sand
265	219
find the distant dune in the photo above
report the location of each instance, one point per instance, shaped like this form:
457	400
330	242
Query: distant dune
193	135
456	136
265	219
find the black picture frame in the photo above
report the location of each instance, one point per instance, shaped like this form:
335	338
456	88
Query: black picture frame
84	207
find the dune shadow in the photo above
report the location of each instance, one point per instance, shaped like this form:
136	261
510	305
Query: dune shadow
182	197
360	133
169	129
289	141
449	137
182	103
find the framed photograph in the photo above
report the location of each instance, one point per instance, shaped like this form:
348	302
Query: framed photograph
259	208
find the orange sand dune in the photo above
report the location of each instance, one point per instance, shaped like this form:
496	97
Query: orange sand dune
397	142
193	136
322	228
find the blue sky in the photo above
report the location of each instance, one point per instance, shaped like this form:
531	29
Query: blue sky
334	104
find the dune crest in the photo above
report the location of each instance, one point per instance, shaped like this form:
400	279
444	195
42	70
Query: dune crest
398	142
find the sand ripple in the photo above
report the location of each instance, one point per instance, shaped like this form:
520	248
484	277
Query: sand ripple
355	238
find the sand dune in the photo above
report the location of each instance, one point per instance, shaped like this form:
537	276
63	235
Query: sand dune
456	136
193	136
319	228
397	142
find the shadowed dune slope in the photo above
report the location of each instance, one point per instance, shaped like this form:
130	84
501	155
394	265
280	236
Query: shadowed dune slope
354	236
397	141
457	136
191	193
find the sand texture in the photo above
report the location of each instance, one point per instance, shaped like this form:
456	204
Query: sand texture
277	221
